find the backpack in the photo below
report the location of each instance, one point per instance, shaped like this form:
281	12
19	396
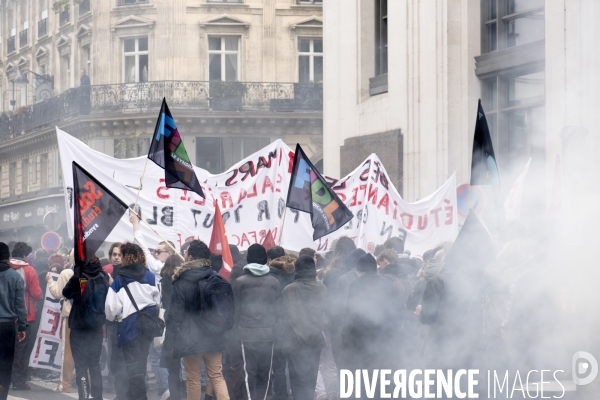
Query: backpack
21	271
94	296
215	297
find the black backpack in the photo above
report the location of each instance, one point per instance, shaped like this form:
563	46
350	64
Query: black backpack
96	290
217	310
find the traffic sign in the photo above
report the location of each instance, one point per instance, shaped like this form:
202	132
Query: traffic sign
50	241
467	197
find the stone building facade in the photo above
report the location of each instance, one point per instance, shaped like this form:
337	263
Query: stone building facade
409	74
237	74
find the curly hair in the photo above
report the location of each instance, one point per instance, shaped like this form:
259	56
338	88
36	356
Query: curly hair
198	250
21	250
132	253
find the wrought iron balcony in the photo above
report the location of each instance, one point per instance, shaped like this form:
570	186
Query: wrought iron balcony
318	2
196	96
225	1
11	44
42	27
65	16
23	37
84	7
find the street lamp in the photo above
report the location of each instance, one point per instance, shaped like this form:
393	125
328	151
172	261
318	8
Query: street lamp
22	80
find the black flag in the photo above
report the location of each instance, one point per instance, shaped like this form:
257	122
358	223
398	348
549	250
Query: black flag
168	152
484	169
310	193
97	211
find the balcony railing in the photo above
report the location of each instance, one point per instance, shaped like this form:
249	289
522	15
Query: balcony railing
23	38
11	44
225	1
319	2
130	2
42	27
84	7
195	96
64	16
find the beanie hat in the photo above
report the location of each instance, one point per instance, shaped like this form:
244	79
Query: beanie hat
367	264
305	268
256	254
4	251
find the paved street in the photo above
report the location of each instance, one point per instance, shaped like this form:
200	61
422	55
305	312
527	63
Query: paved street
43	390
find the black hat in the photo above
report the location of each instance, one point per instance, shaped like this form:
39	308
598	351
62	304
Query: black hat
305	268
367	264
256	254
4	251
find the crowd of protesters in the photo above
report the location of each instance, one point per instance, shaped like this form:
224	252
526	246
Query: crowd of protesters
282	326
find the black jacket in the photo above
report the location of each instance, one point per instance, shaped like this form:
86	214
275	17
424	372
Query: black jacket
302	315
256	306
166	285
372	304
72	291
184	335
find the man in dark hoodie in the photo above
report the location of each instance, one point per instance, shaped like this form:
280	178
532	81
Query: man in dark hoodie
256	296
12	308
88	284
337	295
186	336
33	294
302	327
282	268
372	304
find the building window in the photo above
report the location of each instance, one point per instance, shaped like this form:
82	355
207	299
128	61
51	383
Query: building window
24	176
224	58
65	16
12	179
84	7
215	154
135	60
42	27
66	67
515	111
44	167
381	37
310	60
23	36
510	23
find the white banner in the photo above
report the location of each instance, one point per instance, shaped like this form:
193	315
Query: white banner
252	197
47	352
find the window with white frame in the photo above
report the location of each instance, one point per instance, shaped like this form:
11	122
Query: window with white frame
135	60
224	58
310	60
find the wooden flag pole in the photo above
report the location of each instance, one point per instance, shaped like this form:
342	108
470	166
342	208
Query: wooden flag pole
282	225
140	187
157	234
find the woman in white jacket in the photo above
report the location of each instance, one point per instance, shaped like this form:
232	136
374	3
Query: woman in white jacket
56	288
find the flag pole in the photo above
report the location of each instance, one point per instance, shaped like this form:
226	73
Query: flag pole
140	187
282	225
157	234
